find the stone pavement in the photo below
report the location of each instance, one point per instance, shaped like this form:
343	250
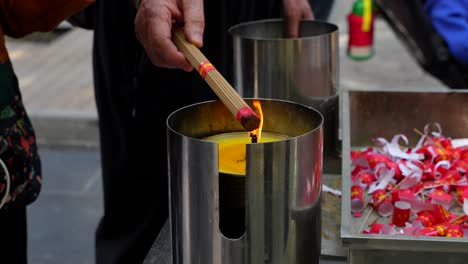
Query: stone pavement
56	81
55	76
55	71
61	223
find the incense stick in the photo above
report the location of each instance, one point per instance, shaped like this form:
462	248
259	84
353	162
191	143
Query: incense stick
457	219
238	107
418	132
380	200
365	220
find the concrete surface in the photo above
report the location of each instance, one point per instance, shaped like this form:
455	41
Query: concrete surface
62	221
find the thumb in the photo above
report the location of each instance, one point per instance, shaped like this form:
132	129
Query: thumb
194	21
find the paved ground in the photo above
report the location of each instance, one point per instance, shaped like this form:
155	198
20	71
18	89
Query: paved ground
54	71
63	219
56	82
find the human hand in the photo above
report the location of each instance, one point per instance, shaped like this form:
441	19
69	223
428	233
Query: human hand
295	10
153	27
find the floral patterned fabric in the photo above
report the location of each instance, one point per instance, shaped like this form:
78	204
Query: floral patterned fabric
18	149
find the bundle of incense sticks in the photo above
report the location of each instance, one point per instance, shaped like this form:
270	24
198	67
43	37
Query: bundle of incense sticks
228	95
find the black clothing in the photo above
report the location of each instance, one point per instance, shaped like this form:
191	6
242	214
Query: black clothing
13	241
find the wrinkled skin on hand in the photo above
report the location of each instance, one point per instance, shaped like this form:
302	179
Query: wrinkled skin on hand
155	18
153	26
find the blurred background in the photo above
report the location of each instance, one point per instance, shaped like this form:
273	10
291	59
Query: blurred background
55	74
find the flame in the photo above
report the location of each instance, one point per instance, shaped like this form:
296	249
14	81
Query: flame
258	131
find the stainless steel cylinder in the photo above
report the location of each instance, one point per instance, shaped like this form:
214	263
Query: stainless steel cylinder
282	187
304	70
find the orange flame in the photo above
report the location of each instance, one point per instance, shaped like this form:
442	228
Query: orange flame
258	131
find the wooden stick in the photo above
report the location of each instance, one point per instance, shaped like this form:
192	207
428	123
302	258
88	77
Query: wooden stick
372	208
418	132
238	107
456	219
386	195
365	220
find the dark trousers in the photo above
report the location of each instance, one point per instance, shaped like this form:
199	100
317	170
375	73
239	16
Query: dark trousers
13	236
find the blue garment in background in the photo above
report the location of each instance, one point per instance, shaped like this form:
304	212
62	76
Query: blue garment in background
450	19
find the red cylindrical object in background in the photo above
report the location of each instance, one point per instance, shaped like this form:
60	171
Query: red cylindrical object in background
361	37
357	198
383	205
401	213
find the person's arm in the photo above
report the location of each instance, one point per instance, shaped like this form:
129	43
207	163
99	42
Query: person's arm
21	17
153	27
450	19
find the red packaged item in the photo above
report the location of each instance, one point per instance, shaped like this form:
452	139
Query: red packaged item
401	213
438	230
382	203
366	178
417	188
426	219
390	187
441	167
445	143
440	213
428	172
454	230
441	198
358	153
459	191
402	195
463	153
356	171
427	153
357	198
450	177
441	154
460	165
374	229
374	159
394	166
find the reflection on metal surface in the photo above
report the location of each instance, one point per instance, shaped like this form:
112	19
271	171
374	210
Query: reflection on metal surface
303	70
283	186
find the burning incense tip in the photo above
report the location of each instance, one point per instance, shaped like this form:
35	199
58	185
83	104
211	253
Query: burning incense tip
254	138
249	120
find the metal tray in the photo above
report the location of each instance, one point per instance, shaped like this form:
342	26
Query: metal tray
368	114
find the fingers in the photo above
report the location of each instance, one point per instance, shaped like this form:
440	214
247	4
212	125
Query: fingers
164	52
153	28
295	11
194	21
292	21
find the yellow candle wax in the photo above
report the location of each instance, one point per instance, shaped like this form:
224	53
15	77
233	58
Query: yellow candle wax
232	149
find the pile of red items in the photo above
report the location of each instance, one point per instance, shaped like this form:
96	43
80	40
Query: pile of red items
423	190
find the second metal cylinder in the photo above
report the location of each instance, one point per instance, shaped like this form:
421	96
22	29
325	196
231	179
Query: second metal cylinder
268	64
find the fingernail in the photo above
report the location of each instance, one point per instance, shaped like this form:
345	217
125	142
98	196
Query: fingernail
198	38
